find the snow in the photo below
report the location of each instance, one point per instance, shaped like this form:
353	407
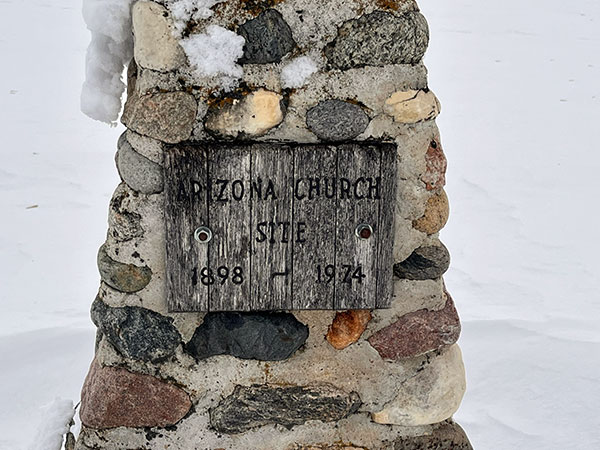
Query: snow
55	424
183	11
214	53
295	74
109	52
519	85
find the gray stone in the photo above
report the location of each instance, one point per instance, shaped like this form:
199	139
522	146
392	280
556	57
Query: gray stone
425	263
261	336
168	117
268	38
378	39
140	174
124	224
335	120
135	332
120	276
260	405
447	436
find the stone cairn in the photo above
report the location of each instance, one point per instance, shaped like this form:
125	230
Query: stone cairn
357	379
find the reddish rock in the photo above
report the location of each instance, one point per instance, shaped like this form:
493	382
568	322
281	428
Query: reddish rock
112	397
348	327
435	175
418	333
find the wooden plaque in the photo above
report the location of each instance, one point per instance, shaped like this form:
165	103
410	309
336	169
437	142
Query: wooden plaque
266	227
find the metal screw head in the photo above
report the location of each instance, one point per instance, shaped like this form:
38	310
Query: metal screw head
203	235
364	231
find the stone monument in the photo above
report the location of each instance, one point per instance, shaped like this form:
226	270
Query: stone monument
272	273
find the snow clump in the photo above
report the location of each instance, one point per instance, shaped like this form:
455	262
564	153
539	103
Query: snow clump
109	52
183	11
55	424
215	52
296	73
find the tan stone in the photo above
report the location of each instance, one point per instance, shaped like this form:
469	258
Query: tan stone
412	106
348	327
431	396
436	214
254	115
155	46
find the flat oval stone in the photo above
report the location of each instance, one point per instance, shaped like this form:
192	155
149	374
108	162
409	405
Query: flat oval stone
336	120
140	174
135	332
378	39
268	38
436	214
261	336
123	277
113	397
259	405
425	263
445	436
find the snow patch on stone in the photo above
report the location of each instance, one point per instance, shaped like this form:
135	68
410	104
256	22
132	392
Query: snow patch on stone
214	53
55	424
110	50
185	10
296	73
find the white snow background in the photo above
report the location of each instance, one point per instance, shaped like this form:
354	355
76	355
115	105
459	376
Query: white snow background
520	86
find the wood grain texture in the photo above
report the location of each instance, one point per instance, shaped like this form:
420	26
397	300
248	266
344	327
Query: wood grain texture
284	220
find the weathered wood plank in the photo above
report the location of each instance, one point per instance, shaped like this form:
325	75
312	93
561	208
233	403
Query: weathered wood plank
358	203
186	209
385	236
315	173
229	212
271	227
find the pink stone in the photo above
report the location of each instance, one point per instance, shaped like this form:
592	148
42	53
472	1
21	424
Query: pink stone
112	397
418	333
435	175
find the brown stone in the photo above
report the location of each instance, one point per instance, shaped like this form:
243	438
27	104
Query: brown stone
327	447
418	333
113	397
448	436
435	174
436	214
168	117
348	327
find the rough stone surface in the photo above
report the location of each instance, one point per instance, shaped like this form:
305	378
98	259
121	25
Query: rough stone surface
412	106
435	174
447	436
425	263
168	117
436	214
336	120
253	115
261	336
259	405
155	46
120	276
113	397
124	224
379	39
140	174
136	333
326	447
418	333
431	396
348	327
268	38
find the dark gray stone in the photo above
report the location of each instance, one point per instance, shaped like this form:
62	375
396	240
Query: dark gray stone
335	120
268	38
136	333
120	276
124	224
447	436
140	174
425	263
259	405
261	336
378	39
